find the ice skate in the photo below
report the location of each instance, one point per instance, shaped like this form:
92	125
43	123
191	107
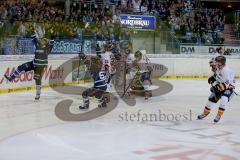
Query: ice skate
37	97
8	78
217	119
85	105
201	116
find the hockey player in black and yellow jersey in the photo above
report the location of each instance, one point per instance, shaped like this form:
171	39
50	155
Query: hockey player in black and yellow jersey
223	85
37	65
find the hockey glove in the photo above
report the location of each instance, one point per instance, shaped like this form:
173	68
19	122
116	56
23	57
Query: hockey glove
82	56
211	80
219	88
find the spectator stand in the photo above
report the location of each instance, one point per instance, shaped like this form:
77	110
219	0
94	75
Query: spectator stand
177	21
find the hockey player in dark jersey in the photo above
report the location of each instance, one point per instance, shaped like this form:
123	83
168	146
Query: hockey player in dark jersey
38	64
101	77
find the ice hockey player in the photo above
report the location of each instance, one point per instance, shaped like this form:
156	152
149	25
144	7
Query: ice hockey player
101	77
223	85
37	65
140	62
107	56
219	52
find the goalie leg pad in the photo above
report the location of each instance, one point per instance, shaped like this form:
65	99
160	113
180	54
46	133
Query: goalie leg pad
145	76
106	97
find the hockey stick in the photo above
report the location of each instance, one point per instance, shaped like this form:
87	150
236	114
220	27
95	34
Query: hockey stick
237	94
130	84
79	55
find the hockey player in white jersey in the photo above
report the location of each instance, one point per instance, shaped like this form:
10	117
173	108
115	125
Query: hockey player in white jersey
141	71
219	52
106	57
223	85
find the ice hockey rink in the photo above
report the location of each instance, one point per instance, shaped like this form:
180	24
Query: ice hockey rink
31	130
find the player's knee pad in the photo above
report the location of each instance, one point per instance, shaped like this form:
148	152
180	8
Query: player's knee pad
38	81
99	94
85	94
37	77
223	102
209	105
214	98
38	72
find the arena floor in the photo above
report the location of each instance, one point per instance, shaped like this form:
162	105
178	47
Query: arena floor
31	130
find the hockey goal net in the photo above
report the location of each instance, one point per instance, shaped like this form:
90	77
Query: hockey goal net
119	79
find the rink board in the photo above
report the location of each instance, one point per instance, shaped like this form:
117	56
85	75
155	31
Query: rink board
25	81
179	67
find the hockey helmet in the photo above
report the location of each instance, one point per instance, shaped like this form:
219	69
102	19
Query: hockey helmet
221	59
138	55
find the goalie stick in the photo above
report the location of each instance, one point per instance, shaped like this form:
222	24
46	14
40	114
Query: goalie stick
130	84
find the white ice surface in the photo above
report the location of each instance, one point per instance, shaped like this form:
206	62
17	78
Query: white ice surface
31	131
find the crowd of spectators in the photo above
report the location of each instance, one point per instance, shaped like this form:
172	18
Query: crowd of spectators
188	24
202	26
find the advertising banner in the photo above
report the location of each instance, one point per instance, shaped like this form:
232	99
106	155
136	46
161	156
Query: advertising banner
26	78
66	46
233	50
137	22
191	49
13	46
